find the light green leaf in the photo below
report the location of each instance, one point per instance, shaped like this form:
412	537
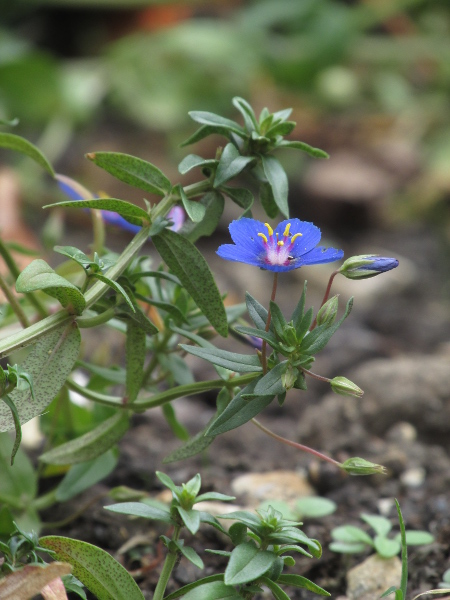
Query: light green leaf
38	275
186	262
231	163
139	509
135	359
192	160
417	538
379	524
49	364
386	547
84	475
207	118
215	590
91	444
190	554
302	582
247	563
191	519
133	171
194	209
271	384
247	112
15	416
214	204
95	568
314	507
18	143
204	132
277	178
19	481
351	534
130	212
314	152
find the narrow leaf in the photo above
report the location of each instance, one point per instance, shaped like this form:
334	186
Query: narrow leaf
247	112
133	171
191	555
117	288
194	209
130	212
277	178
135	359
270	384
91	444
96	568
187	263
84	475
192	586
244	363
20	144
314	152
139	509
15	416
277	592
210	591
204	132
302	582
214	203
207	118
240	196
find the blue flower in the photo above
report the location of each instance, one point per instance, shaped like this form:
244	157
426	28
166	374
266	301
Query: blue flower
293	244
367	265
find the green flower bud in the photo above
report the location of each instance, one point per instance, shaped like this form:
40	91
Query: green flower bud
367	265
289	378
327	313
345	387
289	335
360	466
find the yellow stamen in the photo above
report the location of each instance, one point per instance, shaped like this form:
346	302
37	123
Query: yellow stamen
280	243
269	229
294	237
263	237
286	231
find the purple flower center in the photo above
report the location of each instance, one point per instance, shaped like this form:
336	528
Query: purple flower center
278	251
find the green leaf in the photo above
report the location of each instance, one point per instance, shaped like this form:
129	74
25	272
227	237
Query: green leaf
191	519
417	538
130	212
207	118
284	128
91	444
279	322
257	312
239	411
194	209
205	131
314	152
15	416
190	554
314	507
348	547
192	160
231	163
21	481
139	509
267	200
214	204
133	171
75	254
251	123
135	359
117	288
260	334
38	275
186	262
192	586
351	534
138	317
18	143
302	582
193	446
392	590
95	568
277	178
167	481
243	363
216	590
385	547
247	563
84	475
215	496
277	592
48	364
177	428
317	339
270	384
380	525
240	196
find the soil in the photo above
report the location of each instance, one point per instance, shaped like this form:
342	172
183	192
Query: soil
403	320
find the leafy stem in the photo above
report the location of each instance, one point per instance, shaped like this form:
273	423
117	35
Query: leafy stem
169	564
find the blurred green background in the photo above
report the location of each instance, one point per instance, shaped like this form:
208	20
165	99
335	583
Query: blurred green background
368	80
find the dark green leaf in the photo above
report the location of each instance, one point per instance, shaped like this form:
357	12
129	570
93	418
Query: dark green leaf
84	475
190	554
214	204
194	209
240	196
38	275
260	334
192	586
270	384
193	446
192	160
117	288
277	178
139	509
130	212
246	111
231	163
177	428
279	322
204	132
247	563
257	312
15	417
317	339
191	519
207	118
302	582
19	144
244	363
304	324
267	200
133	171
135	359
283	128
212	591
96	568
183	258
91	444
138	316
314	152
277	592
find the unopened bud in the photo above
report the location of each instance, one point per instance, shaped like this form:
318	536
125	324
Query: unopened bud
367	265
327	313
345	387
289	378
360	466
289	335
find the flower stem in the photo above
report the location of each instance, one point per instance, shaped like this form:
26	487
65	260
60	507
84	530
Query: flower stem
296	445
315	376
325	297
169	564
13	303
269	318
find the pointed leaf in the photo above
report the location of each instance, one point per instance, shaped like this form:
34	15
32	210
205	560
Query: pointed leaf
214	204
186	262
194	209
257	312
15	417
277	592
49	364
191	555
84	475
192	160
204	132
38	275
139	509
302	582
91	444
117	288
216	590
19	144
320	336
135	359
130	212
191	519
314	152
207	118
193	446
231	163
243	363
240	196
138	317
133	171
270	384
96	568
247	563
247	112
277	178
267	200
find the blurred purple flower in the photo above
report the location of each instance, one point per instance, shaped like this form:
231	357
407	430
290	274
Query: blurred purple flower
292	245
75	191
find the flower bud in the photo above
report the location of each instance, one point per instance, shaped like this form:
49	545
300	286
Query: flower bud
327	313
360	466
289	378
345	387
367	265
289	335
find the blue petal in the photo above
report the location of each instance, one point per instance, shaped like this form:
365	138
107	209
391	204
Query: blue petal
239	254
244	233
308	240
321	255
